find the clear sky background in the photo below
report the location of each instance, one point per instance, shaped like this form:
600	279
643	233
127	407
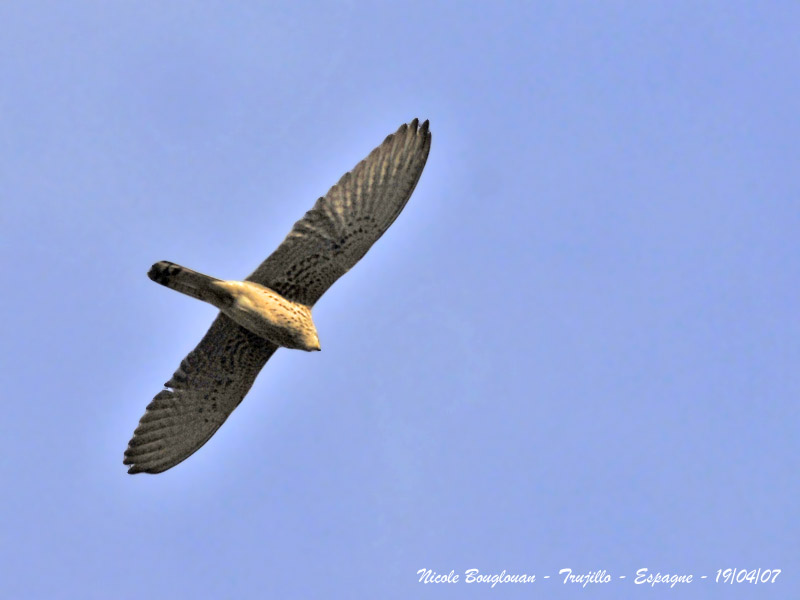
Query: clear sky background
577	347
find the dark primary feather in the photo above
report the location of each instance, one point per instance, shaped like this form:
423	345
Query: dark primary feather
214	378
344	224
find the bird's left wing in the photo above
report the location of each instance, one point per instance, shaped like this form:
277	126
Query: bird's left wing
210	382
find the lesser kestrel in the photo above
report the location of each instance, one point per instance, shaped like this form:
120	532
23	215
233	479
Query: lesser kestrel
272	307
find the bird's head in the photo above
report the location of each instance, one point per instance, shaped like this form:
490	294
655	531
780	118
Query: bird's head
310	341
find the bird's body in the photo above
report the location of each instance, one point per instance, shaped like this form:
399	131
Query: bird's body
272	307
258	309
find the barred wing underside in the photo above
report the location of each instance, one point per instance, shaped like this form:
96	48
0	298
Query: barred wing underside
210	382
344	224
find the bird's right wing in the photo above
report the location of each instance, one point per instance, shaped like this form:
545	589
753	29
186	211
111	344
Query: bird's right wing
211	381
343	225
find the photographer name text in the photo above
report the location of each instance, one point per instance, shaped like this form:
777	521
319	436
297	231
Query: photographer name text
567	576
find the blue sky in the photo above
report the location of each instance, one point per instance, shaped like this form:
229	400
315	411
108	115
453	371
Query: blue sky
577	347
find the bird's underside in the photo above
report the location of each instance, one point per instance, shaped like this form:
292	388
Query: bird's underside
214	378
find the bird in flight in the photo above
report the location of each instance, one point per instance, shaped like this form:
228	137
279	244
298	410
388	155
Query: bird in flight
272	307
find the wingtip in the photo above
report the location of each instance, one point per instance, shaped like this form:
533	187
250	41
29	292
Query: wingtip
129	462
134	467
134	459
413	127
135	470
417	128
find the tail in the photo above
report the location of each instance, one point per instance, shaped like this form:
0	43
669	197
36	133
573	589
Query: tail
190	282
